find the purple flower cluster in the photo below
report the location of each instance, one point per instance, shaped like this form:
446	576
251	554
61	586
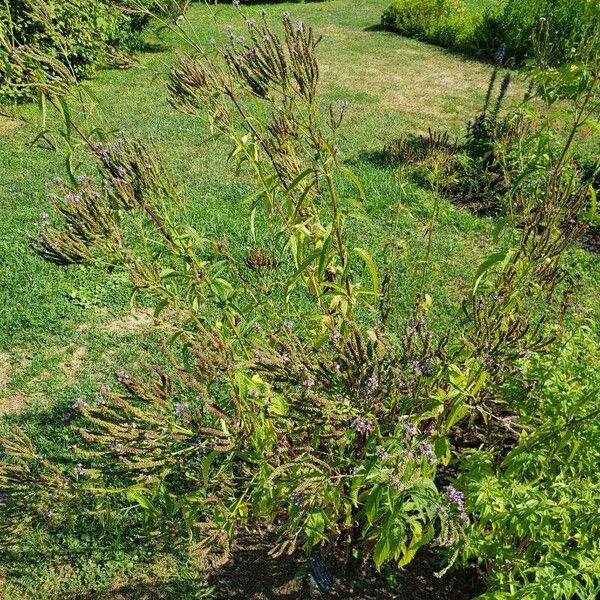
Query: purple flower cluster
116	447
78	404
180	408
426	449
501	54
382	453
455	496
362	425
505	83
373	382
122	376
410	429
4	497
458	499
424	367
78	469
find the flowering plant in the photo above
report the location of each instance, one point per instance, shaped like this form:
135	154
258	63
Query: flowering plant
290	398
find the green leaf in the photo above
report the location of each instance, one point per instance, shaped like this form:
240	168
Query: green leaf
485	266
371	266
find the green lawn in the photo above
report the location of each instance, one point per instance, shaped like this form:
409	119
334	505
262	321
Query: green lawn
57	339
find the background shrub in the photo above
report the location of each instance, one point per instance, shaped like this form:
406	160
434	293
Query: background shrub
77	33
571	24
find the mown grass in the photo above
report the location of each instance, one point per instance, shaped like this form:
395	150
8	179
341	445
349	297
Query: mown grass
64	331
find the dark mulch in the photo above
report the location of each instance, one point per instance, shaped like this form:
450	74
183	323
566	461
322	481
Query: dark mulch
591	239
251	574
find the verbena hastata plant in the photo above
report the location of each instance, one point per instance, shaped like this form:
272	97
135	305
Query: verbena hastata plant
289	399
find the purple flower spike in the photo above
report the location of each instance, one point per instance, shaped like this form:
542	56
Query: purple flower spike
455	496
426	449
122	376
382	453
362	425
78	469
180	408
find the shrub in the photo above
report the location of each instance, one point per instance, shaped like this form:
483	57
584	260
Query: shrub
537	528
451	24
78	34
291	398
447	23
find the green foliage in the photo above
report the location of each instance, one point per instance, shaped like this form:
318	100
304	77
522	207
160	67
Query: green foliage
38	36
537	528
514	23
289	397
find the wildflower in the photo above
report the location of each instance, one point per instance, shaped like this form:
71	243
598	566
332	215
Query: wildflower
72	448
266	38
288	325
308	382
79	403
228	28
286	15
296	498
362	425
240	39
382	453
373	382
70	197
180	408
236	2
4	497
505	83
250	22
464	517
426	450
116	447
427	366
344	103
501	54
410	429
455	496
123	376
212	42
78	469
299	25
47	514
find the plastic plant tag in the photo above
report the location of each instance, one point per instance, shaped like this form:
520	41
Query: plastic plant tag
319	573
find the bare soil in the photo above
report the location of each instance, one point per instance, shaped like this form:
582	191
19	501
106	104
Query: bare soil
252	574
